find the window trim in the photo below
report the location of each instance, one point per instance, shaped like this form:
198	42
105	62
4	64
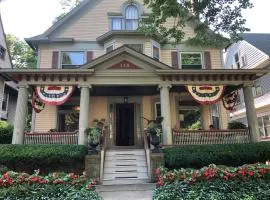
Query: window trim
244	60
155	113
111	24
109	46
255	93
191	52
71	51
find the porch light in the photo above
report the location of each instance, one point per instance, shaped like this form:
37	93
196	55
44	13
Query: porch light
76	108
267	162
125	99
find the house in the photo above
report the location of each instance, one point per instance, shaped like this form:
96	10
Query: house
252	53
8	89
94	64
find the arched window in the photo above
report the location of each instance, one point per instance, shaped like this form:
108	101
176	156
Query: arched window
132	17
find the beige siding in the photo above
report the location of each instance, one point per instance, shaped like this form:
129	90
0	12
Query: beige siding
47	119
174	123
147	109
148	48
215	58
223	116
166	57
206	117
98	109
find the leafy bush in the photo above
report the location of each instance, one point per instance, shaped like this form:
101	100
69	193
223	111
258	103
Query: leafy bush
6	132
236	125
52	192
255	189
213	172
204	155
47	158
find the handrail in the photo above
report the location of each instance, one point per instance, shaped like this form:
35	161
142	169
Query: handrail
103	148
51	138
194	137
147	152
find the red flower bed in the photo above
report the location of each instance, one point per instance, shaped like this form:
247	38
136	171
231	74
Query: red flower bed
211	172
12	178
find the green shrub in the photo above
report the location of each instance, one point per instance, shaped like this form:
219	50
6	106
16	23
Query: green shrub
204	155
52	192
6	131
216	190
47	158
236	125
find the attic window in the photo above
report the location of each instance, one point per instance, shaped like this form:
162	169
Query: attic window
132	17
2	52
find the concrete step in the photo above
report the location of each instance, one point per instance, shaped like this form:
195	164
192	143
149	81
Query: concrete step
126	187
125	158
125	181
124	164
125	175
125	169
125	152
127	195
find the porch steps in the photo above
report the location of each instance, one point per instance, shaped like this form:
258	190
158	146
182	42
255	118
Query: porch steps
125	166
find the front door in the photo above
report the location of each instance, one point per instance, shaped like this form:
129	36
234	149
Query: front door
125	124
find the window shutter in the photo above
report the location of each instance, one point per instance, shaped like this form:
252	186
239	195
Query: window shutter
89	56
175	59
55	59
207	60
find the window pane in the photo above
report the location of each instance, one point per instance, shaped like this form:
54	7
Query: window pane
155	53
132	12
72	58
215	122
131	24
116	24
191	60
258	90
158	110
5	101
190	119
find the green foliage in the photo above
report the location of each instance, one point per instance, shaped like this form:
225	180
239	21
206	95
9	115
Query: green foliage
6	132
203	155
47	158
236	125
255	189
22	55
209	19
52	192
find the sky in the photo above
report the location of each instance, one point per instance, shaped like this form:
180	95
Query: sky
27	18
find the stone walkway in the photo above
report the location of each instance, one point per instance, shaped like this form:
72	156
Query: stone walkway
126	192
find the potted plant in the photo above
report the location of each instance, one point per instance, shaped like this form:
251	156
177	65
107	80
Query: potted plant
155	131
93	135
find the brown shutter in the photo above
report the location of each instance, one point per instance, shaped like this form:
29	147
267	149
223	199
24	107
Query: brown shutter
55	58
175	59
89	56
207	60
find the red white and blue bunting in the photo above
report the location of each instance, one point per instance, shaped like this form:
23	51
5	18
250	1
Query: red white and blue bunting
54	95
37	105
206	94
229	101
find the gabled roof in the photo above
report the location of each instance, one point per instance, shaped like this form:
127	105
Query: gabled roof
259	40
125	50
59	23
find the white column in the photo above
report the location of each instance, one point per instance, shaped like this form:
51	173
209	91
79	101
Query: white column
20	115
84	113
33	121
251	114
166	114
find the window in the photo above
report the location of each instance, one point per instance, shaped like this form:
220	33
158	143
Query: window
190	118
244	60
264	125
257	90
155	53
136	47
157	110
191	60
68	118
5	101
116	24
132	17
72	59
109	49
215	116
236	59
2	52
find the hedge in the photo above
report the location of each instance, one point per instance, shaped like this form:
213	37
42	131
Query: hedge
204	155
47	158
6	131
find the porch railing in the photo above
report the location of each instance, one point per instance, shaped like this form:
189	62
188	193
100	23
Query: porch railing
51	138
188	137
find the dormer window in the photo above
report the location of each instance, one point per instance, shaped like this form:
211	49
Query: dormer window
131	17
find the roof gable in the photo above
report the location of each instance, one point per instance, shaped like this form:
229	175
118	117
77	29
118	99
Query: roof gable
259	40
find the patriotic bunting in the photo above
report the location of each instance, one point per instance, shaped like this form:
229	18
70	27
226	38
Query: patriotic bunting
206	94
54	95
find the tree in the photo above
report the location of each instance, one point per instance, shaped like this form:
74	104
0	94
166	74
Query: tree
210	18
22	55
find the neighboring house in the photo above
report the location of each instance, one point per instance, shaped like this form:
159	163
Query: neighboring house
119	74
8	89
252	53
